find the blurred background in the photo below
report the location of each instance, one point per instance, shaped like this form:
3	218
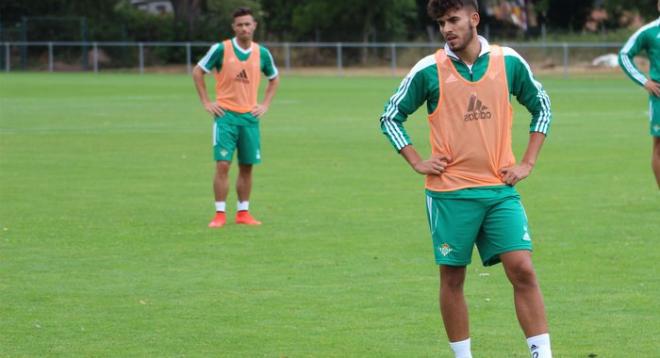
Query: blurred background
317	35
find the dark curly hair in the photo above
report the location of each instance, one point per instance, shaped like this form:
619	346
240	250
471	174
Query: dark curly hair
242	11
438	8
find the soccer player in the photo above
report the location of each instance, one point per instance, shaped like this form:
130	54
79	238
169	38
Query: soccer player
647	39
238	64
470	176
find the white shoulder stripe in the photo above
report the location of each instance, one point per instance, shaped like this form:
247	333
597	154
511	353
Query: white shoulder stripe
633	38
422	64
402	91
204	62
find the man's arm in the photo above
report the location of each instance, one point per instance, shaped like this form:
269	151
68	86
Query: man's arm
412	92
530	93
635	44
200	85
260	109
512	175
270	70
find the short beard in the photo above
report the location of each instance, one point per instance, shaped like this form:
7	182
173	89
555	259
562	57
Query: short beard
460	47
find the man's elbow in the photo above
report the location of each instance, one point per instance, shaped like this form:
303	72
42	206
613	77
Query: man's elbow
197	72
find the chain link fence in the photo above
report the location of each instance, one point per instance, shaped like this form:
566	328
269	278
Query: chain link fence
180	57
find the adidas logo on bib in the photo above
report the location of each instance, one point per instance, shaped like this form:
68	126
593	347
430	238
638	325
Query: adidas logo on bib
476	110
242	77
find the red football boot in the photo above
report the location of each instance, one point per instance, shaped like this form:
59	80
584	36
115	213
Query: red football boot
244	217
219	220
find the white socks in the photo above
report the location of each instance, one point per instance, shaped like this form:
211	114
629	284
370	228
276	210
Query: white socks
461	349
243	205
539	346
220	206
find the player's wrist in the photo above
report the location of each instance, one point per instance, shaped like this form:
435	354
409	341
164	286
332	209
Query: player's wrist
527	164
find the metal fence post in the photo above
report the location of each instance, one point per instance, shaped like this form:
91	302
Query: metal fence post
393	56
50	57
96	57
287	56
565	46
340	65
7	57
141	55
188	58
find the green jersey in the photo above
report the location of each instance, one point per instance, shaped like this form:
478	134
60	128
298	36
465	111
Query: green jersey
646	39
421	85
213	58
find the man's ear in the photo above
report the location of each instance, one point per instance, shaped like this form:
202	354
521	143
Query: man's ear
475	19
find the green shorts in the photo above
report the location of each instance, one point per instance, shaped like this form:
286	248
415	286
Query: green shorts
493	218
237	131
654	115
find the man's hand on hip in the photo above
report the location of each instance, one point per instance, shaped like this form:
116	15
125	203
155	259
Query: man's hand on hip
434	166
512	175
214	109
652	87
259	110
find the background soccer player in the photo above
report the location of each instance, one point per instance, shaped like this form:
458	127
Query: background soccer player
647	39
238	64
470	176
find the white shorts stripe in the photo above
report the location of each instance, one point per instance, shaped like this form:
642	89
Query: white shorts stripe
215	133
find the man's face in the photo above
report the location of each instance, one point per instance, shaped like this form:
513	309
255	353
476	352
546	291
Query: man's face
458	27
244	27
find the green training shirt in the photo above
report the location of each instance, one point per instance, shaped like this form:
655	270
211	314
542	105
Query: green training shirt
421	85
647	38
213	58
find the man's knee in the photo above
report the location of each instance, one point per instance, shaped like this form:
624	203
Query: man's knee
222	167
452	278
245	169
521	274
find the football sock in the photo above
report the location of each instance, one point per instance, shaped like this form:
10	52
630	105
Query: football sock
243	205
461	349
539	346
220	206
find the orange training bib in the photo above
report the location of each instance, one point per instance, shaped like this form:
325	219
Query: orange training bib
471	125
237	82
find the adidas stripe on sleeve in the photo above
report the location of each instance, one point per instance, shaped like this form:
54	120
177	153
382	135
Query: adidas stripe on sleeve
268	64
635	44
528	91
212	59
410	95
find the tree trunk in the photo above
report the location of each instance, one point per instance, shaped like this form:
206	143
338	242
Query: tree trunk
368	17
187	12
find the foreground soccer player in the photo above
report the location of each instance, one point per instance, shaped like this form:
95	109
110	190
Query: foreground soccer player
470	176
647	39
238	63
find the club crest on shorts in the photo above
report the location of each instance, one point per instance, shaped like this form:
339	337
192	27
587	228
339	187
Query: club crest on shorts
445	249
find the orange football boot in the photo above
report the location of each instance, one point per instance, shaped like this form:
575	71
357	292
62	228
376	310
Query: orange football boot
219	220
244	217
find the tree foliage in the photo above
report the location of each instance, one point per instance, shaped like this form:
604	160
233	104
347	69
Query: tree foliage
281	20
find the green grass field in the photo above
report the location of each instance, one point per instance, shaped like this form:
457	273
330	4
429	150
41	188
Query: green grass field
105	194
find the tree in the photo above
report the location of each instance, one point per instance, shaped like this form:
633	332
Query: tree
188	12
